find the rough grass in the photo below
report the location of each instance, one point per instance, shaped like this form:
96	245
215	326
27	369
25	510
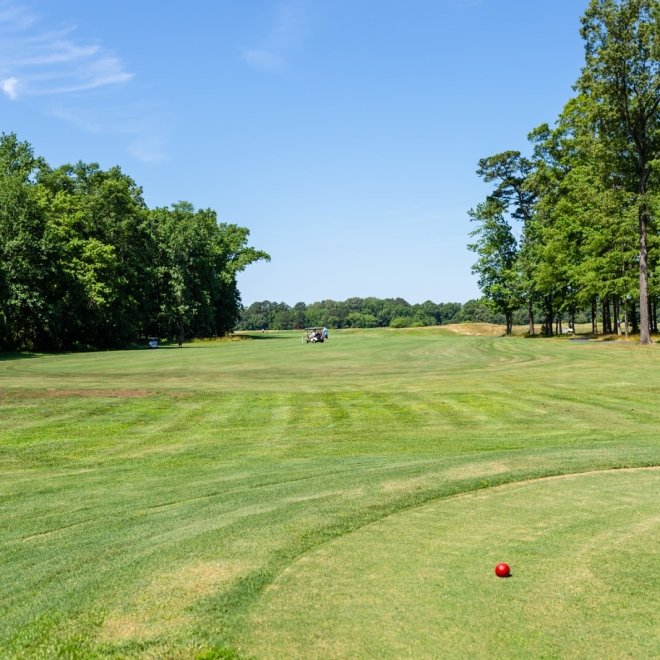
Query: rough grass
150	499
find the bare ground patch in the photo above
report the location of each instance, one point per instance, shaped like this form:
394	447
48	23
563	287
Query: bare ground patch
475	329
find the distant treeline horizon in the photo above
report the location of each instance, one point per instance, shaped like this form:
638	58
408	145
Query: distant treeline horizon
382	312
351	313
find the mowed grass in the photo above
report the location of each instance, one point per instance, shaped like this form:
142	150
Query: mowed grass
582	548
152	502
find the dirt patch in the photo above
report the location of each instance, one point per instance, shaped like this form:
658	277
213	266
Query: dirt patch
475	329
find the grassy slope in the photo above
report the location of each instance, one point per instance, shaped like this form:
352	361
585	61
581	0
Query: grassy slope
149	496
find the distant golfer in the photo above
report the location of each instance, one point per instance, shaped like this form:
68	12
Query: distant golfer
324	334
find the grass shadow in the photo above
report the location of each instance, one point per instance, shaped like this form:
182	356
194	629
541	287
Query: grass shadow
9	357
264	335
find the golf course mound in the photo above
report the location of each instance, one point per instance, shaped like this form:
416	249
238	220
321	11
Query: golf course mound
475	329
421	583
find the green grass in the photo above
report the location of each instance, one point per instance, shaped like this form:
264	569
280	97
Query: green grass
151	502
426	576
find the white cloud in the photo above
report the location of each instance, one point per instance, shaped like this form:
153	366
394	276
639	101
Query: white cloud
51	61
77	80
9	87
100	73
58	53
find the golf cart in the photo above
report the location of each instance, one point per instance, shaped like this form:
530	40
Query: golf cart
315	335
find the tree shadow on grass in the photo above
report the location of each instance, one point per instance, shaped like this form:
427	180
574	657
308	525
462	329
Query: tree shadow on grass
264	335
9	357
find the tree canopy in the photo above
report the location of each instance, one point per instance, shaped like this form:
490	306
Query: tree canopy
587	197
363	313
85	263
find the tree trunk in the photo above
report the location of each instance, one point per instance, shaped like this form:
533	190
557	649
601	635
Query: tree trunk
607	321
530	312
615	308
594	317
548	317
644	331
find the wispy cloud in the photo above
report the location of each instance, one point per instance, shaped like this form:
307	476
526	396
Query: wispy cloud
14	17
142	126
76	80
286	34
263	59
35	61
149	149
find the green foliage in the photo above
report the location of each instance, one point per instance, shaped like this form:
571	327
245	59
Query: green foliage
351	313
588	197
497	265
198	261
84	262
400	322
621	84
478	311
23	266
361	320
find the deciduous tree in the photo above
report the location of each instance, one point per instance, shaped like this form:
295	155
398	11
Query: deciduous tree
621	78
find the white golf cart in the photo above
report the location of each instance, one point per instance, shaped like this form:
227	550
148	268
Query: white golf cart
315	335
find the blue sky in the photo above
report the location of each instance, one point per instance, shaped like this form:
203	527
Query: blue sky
344	134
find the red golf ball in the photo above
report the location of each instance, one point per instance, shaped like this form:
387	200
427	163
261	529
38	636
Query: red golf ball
502	570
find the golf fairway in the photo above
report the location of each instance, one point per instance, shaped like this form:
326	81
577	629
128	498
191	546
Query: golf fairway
579	547
258	497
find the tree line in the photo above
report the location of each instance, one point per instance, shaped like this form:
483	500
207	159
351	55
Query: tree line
388	313
85	263
364	313
573	224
